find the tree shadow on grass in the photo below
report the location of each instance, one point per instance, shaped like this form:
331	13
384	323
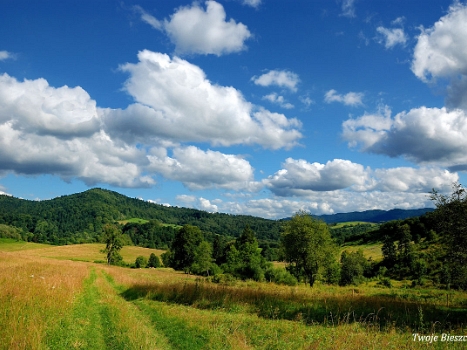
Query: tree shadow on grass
375	312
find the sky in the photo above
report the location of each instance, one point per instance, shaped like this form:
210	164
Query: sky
258	107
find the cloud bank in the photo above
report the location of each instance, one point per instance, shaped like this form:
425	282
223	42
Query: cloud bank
61	131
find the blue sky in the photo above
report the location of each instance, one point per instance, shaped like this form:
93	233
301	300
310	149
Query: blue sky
254	107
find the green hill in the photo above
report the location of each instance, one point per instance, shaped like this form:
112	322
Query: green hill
80	217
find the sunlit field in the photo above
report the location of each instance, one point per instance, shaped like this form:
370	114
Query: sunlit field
372	251
90	252
57	298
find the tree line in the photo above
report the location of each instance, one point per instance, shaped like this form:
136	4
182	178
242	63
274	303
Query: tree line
428	247
306	246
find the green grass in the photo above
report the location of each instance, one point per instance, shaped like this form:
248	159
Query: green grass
143	221
381	309
352	223
133	220
103	320
84	328
372	251
11	245
180	334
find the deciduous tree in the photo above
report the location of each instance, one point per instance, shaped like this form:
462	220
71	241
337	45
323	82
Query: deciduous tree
184	247
154	261
308	247
113	244
353	266
451	217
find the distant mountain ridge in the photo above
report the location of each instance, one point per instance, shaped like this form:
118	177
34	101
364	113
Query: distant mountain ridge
376	216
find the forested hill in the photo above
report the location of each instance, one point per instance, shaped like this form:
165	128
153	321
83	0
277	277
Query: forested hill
80	217
376	216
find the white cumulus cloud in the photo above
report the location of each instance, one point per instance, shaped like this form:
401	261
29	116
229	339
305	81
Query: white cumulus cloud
300	175
301	178
36	107
339	201
281	78
194	30
441	51
349	99
279	100
205	204
176	101
390	37
48	130
423	135
198	169
4	55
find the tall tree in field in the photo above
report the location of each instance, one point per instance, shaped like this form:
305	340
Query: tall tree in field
202	262
185	247
389	252
113	244
243	257
308	247
252	263
353	267
451	217
154	261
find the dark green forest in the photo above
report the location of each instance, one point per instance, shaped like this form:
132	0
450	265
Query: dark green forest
80	218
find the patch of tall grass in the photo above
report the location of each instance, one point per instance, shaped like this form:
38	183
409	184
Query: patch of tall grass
34	294
190	328
327	307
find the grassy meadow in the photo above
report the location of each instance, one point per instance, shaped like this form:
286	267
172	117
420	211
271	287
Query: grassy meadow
56	297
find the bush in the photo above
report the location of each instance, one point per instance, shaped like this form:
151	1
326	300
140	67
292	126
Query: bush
280	276
332	273
223	278
154	261
385	282
352	269
140	262
10	232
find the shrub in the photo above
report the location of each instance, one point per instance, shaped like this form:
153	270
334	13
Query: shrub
385	282
352	269
223	278
154	261
140	262
280	276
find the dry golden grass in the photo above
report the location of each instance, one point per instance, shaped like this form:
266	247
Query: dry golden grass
89	252
130	253
372	251
34	294
163	276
